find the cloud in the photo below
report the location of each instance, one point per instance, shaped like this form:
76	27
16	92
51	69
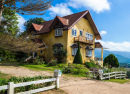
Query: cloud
119	46
95	5
60	9
103	32
21	21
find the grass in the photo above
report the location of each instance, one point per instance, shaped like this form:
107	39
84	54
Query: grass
122	81
4	76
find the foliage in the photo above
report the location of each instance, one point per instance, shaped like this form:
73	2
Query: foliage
33	20
78	57
128	74
112	69
20	44
122	81
60	55
9	22
111	60
20	55
25	79
75	69
6	55
39	61
53	62
91	65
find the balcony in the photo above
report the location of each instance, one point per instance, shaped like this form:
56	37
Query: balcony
83	39
98	59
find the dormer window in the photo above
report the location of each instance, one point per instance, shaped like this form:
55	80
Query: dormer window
58	32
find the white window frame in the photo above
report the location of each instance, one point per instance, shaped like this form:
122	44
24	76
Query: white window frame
88	53
81	31
89	36
58	32
74	51
74	32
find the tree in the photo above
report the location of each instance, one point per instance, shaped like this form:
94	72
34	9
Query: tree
33	20
20	44
9	22
26	7
111	60
29	22
78	57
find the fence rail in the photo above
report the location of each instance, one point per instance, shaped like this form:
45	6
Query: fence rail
116	75
10	87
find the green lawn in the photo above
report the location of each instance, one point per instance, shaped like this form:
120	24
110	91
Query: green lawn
122	81
4	76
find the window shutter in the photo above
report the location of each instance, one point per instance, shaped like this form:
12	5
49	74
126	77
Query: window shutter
75	33
73	52
86	52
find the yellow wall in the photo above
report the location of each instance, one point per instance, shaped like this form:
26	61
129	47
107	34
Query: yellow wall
84	25
49	39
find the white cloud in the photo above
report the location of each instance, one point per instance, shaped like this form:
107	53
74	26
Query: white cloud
96	5
103	32
60	9
21	21
119	46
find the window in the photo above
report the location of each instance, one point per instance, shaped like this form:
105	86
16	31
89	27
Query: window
74	51
58	32
81	33
88	53
89	36
57	49
74	32
41	51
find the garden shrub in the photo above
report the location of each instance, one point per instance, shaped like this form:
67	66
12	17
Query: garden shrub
91	65
60	55
39	61
25	79
111	60
78	57
53	62
128	74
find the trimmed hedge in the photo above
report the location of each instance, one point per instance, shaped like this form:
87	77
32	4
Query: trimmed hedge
78	57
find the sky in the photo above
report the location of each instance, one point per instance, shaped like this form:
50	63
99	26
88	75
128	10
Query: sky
112	18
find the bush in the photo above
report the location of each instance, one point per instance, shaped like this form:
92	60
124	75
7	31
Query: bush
53	62
111	60
76	69
60	55
39	61
78	57
128	74
25	79
91	65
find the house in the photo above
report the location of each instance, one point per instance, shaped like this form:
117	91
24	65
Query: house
65	32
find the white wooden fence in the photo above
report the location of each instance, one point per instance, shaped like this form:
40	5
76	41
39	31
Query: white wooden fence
10	87
116	75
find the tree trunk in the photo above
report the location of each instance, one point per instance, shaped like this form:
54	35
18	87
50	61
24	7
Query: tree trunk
1	9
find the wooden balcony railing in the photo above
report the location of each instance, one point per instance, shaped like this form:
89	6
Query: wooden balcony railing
98	59
83	39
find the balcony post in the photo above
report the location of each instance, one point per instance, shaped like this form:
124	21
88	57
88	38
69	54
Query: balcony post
102	56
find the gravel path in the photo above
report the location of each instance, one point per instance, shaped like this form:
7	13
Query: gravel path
72	85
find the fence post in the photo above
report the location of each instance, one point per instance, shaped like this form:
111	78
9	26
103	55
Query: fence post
10	88
56	75
109	76
120	74
115	75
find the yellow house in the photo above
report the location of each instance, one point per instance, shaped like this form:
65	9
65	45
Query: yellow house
65	32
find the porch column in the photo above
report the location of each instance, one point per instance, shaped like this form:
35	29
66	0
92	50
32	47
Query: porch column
102	56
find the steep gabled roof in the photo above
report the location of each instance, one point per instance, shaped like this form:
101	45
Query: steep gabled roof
69	21
37	27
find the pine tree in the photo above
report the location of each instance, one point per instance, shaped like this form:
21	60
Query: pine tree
78	57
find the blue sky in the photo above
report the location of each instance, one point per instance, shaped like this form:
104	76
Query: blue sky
112	18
